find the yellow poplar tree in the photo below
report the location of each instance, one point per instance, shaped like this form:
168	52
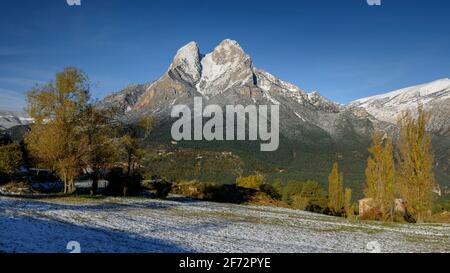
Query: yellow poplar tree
335	190
416	175
380	175
348	206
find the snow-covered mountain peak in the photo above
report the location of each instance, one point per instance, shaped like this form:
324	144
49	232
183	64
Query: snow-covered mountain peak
230	48
186	63
228	52
188	53
227	66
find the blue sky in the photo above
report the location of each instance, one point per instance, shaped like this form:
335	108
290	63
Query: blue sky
343	49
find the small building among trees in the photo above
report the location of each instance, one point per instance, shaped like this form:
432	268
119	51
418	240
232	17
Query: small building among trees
367	206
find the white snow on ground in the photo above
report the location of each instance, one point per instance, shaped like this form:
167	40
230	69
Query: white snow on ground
179	225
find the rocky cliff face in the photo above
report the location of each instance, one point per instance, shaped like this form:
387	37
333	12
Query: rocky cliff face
125	100
227	67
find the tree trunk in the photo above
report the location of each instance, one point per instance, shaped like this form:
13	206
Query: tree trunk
125	189
94	189
130	155
66	186
71	186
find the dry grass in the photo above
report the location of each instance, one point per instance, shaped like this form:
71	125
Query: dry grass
21	187
443	218
262	199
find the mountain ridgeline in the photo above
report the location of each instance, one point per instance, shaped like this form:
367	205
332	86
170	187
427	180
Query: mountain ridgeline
314	131
12	119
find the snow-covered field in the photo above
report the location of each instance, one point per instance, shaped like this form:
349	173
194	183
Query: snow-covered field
180	225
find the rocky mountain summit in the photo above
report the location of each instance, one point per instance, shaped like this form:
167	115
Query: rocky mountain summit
225	76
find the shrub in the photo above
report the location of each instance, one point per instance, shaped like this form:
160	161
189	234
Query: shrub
292	188
250	182
311	207
373	214
230	193
271	191
10	160
299	201
21	187
214	192
278	186
443	217
162	188
307	196
193	189
441	204
121	184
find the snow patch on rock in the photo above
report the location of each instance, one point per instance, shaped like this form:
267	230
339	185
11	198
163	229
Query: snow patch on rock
187	63
227	66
